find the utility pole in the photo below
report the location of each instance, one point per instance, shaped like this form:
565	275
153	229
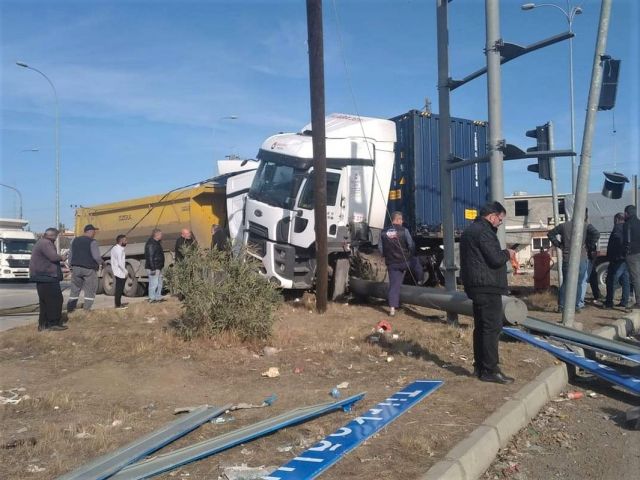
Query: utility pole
496	142
582	184
444	149
316	75
554	194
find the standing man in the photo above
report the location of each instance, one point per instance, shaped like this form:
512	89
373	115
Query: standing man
483	270
398	250
589	238
45	270
154	262
219	238
184	242
85	260
631	232
119	268
617	269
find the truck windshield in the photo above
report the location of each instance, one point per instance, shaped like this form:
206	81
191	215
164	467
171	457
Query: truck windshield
17	246
276	184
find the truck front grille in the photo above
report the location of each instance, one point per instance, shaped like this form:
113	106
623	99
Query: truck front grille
13	263
258	239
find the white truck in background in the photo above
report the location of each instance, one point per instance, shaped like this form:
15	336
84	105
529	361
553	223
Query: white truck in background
16	245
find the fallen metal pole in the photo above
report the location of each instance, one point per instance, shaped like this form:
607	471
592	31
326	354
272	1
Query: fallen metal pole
164	463
560	331
107	465
514	309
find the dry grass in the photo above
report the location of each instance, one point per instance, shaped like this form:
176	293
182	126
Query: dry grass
131	367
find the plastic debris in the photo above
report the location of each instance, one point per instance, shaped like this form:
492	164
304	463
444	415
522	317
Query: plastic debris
116	423
335	393
298	370
343	385
389	359
285	449
35	469
243	472
383	326
273	372
575	395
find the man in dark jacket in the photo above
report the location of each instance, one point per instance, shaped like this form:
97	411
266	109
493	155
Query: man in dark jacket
154	263
631	233
398	249
45	270
183	243
219	238
85	260
483	270
617	269
589	239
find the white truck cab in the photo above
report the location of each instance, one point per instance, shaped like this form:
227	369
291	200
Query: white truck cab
279	209
15	249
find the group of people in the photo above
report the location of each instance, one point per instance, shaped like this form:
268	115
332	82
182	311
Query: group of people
483	272
484	276
623	255
84	260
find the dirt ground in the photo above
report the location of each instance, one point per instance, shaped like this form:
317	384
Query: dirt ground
116	375
578	439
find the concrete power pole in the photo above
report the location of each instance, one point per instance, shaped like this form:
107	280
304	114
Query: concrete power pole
582	184
496	141
444	148
316	74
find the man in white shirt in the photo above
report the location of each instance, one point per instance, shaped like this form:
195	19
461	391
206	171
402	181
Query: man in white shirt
119	269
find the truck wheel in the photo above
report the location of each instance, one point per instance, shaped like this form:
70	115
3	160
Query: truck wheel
340	278
132	288
108	281
601	274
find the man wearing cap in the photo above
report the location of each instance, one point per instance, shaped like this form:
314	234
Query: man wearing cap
85	260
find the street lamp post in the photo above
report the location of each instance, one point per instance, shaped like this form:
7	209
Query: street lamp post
570	13
19	198
57	146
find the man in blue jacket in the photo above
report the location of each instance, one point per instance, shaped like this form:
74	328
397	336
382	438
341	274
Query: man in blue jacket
398	250
483	270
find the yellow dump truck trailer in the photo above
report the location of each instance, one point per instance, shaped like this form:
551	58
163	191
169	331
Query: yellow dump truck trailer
196	208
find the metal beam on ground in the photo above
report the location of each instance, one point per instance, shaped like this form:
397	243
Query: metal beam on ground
206	448
105	466
514	309
584	346
560	331
610	374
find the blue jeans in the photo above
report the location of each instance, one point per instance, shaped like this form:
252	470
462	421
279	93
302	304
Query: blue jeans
617	273
582	283
155	284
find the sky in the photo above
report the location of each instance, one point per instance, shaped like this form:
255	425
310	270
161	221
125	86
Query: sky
152	93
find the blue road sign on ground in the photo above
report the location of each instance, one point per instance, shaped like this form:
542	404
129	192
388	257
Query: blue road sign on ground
322	455
605	372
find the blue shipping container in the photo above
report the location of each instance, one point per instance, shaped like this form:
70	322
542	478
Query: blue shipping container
415	185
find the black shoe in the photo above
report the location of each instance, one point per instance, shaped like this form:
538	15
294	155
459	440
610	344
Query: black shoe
608	306
477	372
57	328
497	377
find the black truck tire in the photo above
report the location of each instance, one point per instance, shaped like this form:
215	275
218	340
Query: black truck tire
108	280
132	287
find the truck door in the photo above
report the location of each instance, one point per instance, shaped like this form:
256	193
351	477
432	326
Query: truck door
237	190
302	233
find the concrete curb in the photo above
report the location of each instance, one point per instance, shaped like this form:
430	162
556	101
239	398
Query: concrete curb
622	327
470	458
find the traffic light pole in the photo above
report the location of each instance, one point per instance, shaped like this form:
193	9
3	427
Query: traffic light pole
492	11
554	194
582	184
444	149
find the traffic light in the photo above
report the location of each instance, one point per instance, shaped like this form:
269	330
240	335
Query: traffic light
543	167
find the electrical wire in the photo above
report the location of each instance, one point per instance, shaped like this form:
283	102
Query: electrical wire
364	135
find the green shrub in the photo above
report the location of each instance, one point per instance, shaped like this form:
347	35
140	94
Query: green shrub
222	293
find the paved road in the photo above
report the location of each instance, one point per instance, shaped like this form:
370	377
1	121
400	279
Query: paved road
13	294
